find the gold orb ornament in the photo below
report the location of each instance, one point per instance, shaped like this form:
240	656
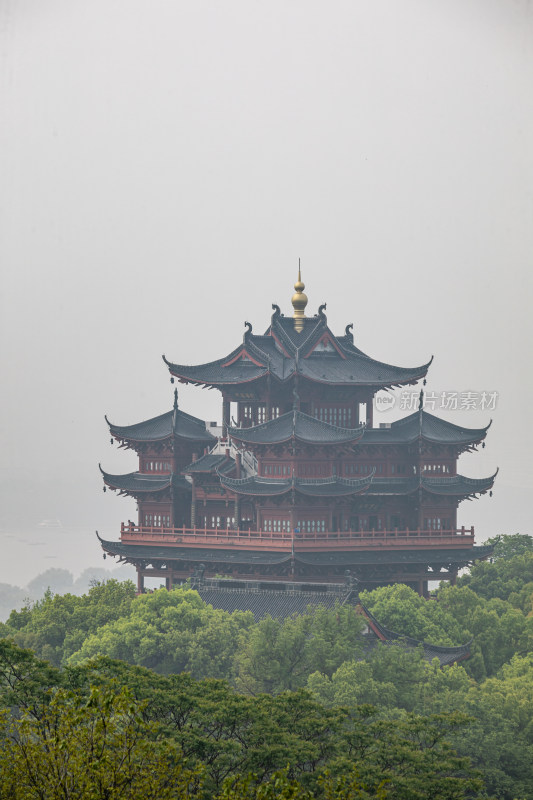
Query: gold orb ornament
299	302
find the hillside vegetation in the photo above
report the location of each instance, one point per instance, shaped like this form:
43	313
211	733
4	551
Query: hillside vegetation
197	702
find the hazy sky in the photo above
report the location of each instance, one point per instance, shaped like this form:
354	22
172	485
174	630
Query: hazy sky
164	164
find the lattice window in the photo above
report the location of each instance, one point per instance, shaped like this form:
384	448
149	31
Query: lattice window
334	415
261	414
312	525
277	525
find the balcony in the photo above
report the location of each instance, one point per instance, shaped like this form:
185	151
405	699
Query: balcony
228	538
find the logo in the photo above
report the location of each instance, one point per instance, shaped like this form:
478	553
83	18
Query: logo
384	402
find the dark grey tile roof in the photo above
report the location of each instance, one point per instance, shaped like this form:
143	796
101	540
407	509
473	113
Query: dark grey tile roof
256	486
313	487
211	462
262	603
150	551
344	365
446	655
433	429
215	373
435	557
289	599
332	487
396	486
183	425
296	425
458	485
139	483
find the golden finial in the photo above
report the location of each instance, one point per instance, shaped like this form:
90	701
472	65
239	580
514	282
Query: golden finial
299	302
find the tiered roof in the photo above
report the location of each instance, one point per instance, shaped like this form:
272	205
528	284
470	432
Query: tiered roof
422	425
456	485
312	487
283	352
435	557
174	423
295	425
138	483
335	486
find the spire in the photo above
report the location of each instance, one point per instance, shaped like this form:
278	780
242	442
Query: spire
299	302
175	412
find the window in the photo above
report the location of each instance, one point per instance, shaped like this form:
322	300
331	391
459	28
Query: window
437	524
334	415
277	525
312	525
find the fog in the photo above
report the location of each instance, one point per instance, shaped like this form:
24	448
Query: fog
164	164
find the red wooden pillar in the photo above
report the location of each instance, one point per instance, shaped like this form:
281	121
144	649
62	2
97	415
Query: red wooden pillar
169	580
193	502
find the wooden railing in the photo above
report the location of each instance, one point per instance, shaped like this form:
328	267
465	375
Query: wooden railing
282	540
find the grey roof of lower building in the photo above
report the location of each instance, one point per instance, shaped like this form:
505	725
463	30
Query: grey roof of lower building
264	602
284	600
445	654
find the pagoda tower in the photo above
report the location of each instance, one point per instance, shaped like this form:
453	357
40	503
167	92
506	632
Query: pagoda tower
300	485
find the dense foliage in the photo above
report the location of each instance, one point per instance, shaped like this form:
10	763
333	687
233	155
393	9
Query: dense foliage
230	708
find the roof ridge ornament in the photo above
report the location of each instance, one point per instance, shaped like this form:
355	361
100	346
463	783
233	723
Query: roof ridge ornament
299	302
348	332
321	310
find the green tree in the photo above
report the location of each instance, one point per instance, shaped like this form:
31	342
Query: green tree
408	754
508	578
280	655
510	545
352	684
498	630
89	749
172	632
402	610
57	625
